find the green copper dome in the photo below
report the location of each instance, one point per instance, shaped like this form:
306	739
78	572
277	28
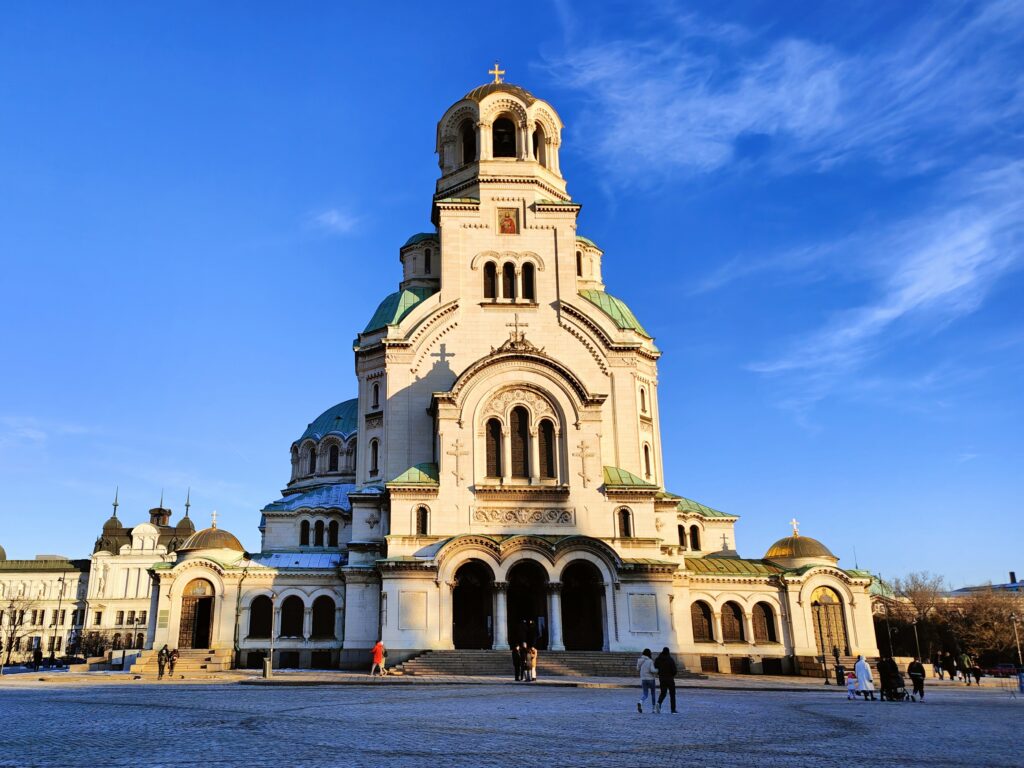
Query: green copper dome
339	419
419	238
396	306
616	309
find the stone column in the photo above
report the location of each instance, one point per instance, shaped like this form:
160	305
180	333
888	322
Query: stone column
524	141
500	616
484	145
748	627
556	643
307	623
718	628
506	454
339	624
446	613
276	620
534	457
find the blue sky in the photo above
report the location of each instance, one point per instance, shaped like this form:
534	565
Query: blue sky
817	210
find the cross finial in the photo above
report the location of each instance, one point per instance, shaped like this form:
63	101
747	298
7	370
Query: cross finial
725	543
796	526
214	516
161	498
517	335
116	505
497	73
188	500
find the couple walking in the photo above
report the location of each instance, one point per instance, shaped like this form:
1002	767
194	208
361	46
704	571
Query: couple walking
663	670
524	662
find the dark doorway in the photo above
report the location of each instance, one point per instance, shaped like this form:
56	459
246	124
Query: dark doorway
528	604
472	604
196	615
503	132
582	607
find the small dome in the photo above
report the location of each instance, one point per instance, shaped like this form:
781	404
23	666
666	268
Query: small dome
795	547
112	524
478	94
340	419
212	538
3	554
186	526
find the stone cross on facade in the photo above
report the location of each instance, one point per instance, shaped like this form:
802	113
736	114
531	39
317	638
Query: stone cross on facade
496	72
796	526
457	450
584	453
725	542
515	325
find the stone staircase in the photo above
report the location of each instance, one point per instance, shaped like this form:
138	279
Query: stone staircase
809	666
191	663
549	664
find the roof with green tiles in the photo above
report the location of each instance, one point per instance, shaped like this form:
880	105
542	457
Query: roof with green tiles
339	419
731	566
616	309
397	306
420	474
696	508
586	241
419	238
616	477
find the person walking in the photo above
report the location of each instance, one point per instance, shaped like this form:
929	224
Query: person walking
915	671
865	682
379	653
965	666
531	663
949	664
172	659
937	665
517	662
648	679
666	667
37	658
161	661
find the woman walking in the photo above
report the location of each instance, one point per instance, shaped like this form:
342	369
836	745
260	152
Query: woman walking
648	679
531	664
865	682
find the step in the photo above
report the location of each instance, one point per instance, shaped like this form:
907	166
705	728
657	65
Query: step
550	663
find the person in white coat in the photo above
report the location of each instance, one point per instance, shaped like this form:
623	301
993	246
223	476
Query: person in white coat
865	682
648	679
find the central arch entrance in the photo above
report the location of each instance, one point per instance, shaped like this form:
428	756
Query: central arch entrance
582	607
528	604
196	615
829	622
472	606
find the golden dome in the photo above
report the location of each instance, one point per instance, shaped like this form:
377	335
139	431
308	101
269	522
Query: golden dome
795	547
212	538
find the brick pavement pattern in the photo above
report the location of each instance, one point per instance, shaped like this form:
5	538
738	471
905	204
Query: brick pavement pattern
492	725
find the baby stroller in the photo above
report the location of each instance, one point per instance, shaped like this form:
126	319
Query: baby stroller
894	688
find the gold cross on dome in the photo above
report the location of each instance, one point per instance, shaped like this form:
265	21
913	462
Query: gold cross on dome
497	73
796	526
214	516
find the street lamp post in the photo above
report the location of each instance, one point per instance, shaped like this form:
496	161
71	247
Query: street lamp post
268	664
1016	638
917	642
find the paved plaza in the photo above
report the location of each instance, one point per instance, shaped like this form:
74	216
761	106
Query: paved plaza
48	724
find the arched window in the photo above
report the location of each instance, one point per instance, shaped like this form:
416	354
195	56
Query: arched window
546	438
681	530
295	462
579	263
504	133
643	400
508	281
625	523
528	272
426	261
694	538
116	642
540	150
375	390
260	619
764	623
493	438
520	434
467	133
422	521
647	461
140	640
374	457
304	533
292	613
703	625
323	618
490	280
332	534
318	534
332	459
311	469
732	623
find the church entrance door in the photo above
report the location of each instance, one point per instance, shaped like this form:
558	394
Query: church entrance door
582	607
196	615
472	606
528	604
829	622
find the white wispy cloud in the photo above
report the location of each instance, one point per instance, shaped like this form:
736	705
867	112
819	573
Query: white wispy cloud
334	220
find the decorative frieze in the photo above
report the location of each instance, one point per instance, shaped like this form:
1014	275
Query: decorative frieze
524	516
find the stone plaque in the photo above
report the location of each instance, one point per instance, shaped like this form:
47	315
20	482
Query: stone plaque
643	612
412	610
162	619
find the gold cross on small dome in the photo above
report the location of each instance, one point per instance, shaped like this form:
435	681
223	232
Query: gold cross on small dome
796	526
214	516
497	73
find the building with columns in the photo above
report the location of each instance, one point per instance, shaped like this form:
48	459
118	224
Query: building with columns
499	475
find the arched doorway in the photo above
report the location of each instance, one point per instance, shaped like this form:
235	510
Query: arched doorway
582	607
196	615
829	622
472	606
528	604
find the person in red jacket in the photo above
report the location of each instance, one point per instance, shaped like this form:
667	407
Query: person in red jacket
379	655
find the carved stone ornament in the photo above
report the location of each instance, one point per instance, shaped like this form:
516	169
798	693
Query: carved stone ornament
524	516
504	400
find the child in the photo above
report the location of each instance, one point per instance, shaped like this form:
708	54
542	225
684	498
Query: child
851	686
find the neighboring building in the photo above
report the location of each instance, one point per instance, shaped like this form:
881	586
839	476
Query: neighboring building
1011	586
42	604
499	475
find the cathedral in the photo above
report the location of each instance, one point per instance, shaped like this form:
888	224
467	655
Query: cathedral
499	475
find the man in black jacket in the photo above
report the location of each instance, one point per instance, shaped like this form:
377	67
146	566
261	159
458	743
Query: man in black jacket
666	667
915	671
517	662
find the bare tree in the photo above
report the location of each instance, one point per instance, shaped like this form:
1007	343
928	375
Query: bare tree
922	592
14	626
981	621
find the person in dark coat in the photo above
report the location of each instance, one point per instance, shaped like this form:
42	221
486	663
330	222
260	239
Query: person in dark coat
666	667
949	665
517	662
915	671
37	658
161	661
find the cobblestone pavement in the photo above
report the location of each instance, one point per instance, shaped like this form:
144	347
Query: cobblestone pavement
492	725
